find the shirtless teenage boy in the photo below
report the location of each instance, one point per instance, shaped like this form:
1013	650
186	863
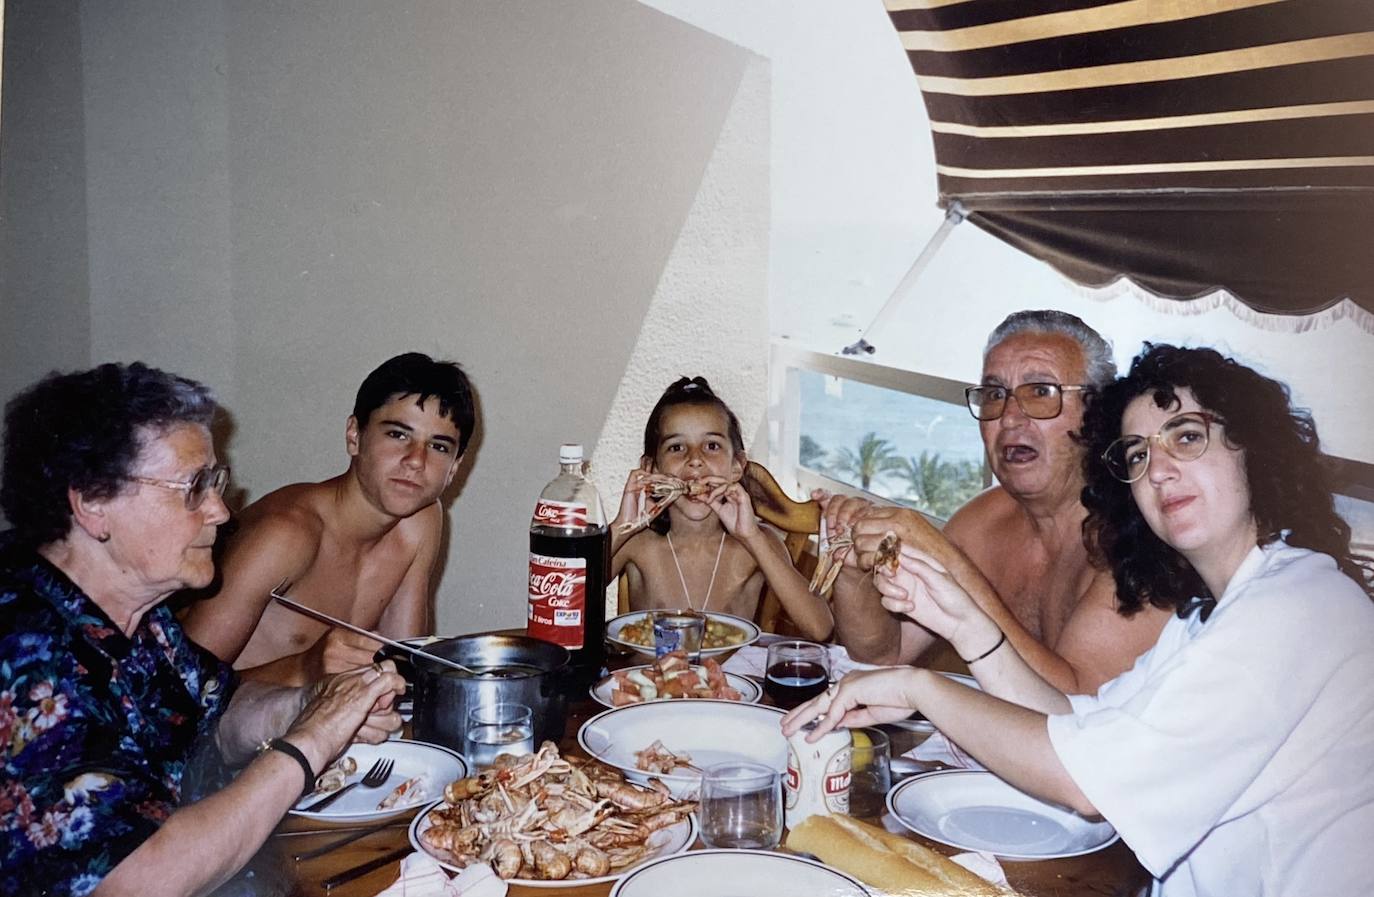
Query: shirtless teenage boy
361	546
1017	547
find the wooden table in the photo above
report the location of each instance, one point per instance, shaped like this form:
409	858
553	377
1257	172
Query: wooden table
1113	872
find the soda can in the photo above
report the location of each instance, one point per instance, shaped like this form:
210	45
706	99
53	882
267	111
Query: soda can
679	631
818	774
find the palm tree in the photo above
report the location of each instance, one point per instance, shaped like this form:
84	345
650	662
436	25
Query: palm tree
810	453
927	477
873	458
940	487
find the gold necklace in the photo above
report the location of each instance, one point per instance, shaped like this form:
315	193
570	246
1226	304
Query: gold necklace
683	579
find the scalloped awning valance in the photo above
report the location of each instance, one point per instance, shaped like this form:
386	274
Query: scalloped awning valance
1190	145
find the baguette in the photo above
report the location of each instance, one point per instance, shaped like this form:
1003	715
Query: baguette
894	864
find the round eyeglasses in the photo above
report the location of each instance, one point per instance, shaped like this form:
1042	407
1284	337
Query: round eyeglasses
1184	437
206	479
1041	401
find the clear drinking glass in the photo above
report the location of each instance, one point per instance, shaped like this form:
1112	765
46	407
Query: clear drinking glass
795	672
679	631
502	728
871	772
741	806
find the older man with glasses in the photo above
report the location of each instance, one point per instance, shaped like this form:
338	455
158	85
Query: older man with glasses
1017	547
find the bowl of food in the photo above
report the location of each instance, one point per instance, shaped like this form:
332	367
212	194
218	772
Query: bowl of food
724	633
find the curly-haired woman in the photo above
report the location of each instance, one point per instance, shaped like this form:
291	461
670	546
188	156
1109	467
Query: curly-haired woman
111	485
1237	756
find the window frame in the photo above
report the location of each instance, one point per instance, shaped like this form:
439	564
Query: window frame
784	411
1352	479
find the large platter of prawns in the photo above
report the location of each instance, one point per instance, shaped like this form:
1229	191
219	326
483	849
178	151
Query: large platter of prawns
544	820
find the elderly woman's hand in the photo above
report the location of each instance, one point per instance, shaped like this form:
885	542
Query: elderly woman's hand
353	706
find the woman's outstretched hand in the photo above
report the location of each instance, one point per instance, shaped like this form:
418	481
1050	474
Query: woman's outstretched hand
862	698
922	589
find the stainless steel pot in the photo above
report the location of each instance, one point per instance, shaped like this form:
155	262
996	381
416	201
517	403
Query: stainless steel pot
512	667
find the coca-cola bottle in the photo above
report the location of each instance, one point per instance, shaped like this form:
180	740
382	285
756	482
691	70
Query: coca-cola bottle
570	563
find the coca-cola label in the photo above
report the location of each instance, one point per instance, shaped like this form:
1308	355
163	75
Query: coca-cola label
559	513
558	596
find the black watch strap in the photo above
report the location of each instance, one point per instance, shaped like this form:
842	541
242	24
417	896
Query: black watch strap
290	750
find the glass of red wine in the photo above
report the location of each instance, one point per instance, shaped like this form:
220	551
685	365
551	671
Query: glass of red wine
796	672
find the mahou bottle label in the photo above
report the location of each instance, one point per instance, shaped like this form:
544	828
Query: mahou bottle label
558	595
559	513
818	775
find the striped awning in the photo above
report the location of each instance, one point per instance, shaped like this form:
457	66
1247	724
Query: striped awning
1190	145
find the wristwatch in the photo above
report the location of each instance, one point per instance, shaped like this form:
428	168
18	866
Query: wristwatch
290	750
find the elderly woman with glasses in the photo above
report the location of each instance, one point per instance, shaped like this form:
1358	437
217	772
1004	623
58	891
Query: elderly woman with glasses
1237	755
111	486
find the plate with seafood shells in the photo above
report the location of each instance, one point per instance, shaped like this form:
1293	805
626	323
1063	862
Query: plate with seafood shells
662	843
702	732
547	821
425	767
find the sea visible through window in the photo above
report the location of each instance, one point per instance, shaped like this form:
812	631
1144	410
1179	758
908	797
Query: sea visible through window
917	451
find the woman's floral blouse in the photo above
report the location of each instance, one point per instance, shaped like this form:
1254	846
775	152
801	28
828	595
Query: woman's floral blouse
95	727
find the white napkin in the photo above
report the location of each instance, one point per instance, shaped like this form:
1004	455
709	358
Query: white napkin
752	659
422	876
939	749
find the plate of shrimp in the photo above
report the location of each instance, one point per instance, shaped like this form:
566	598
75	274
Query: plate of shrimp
546	821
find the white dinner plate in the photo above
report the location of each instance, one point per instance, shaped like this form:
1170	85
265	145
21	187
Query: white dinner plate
917	721
708	731
662	843
614	625
974	810
438	764
730	873
749	690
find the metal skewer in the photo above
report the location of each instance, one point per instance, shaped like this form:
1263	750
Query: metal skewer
282	586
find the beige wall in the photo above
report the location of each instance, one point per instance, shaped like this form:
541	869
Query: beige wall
276	198
42	196
709	315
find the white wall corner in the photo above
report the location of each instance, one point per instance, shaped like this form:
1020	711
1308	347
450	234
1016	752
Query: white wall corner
709	311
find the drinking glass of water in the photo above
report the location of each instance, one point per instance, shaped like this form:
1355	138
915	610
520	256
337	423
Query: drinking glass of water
796	671
501	728
741	806
871	761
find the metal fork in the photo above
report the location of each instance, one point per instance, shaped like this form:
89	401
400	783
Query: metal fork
375	778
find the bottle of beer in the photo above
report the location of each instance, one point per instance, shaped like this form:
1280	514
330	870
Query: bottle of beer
570	564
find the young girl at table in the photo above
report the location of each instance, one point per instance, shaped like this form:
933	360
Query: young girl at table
706	551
